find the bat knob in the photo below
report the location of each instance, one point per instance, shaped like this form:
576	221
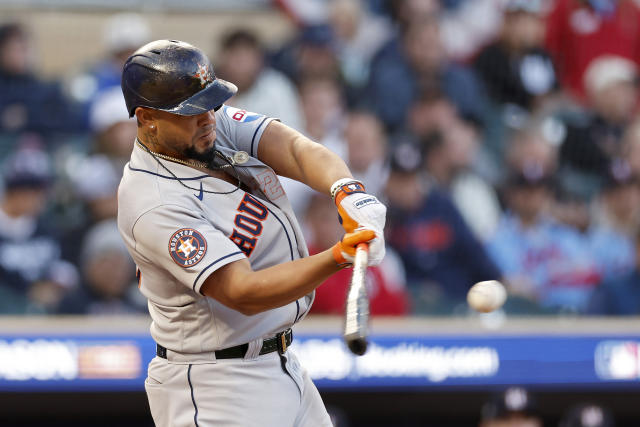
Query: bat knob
357	346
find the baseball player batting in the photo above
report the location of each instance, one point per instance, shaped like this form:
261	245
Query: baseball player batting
220	255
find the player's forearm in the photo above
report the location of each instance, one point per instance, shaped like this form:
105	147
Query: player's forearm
320	168
284	283
251	292
295	156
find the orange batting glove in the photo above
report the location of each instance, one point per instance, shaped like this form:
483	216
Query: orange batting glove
344	251
339	191
359	210
356	208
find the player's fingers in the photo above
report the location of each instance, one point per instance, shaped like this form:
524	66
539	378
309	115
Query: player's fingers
344	251
339	255
351	240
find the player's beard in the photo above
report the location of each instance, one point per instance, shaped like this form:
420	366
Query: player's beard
207	156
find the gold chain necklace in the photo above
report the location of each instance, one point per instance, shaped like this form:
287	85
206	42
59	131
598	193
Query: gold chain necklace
192	163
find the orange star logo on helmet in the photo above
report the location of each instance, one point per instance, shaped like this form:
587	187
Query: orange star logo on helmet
203	74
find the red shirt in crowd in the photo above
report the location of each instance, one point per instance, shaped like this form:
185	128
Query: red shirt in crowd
387	295
576	35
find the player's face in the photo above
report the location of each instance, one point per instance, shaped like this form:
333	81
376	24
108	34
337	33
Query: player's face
190	136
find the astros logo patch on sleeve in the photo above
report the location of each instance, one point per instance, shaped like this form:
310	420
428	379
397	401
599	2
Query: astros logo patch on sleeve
187	247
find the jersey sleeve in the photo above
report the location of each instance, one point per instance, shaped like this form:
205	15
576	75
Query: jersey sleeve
185	245
240	129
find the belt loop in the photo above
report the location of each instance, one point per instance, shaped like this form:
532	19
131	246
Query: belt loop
253	350
161	351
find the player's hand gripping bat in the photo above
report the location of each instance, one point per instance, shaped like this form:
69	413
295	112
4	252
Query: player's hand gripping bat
356	318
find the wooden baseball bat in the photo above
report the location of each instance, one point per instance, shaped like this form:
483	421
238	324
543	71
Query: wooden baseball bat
356	318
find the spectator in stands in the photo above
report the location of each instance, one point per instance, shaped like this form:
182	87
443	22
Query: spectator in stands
529	148
33	276
415	64
441	256
95	184
515	407
94	176
28	103
428	113
404	12
631	146
385	282
516	69
108	276
448	162
241	61
571	207
593	140
543	261
615	219
358	35
619	296
574	192
324	112
366	150
579	31
113	131
310	54
122	34
451	146
466	25
469	25
587	414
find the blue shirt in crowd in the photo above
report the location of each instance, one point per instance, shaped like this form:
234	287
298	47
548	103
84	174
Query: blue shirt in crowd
614	252
30	104
554	258
394	85
437	246
619	296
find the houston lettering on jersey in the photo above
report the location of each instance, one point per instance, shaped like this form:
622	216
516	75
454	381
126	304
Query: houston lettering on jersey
248	224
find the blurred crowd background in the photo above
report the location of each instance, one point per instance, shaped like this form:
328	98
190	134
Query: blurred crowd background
503	135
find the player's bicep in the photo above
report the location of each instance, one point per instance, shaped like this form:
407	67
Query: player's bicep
184	245
291	154
277	149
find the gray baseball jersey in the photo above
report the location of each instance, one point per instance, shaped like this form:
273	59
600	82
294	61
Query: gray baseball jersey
179	235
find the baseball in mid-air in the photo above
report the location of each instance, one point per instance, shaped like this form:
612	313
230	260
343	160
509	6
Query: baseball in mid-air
487	296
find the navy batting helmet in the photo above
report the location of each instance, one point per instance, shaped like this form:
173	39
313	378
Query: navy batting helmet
172	76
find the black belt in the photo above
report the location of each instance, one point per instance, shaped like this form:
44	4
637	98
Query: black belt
279	343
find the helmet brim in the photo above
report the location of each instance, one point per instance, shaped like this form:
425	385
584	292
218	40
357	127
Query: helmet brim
214	95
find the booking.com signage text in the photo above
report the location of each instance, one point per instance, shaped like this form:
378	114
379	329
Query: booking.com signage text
118	363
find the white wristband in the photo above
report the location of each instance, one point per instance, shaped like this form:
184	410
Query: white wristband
339	183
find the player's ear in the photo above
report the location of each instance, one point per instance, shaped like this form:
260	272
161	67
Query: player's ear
145	119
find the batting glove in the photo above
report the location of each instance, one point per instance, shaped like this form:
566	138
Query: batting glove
344	251
357	209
